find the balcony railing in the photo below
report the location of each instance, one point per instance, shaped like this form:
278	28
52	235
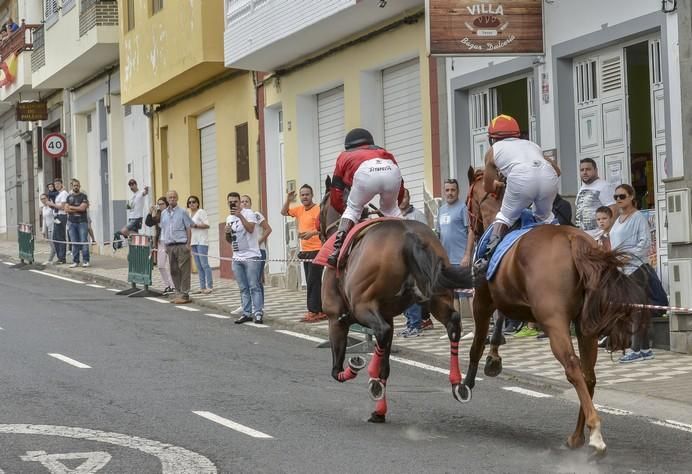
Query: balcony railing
97	13
20	40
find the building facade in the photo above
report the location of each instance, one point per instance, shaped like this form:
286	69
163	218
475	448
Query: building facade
332	66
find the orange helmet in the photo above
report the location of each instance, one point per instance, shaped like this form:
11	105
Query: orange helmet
503	126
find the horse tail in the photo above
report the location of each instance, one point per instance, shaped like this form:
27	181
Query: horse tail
610	296
428	270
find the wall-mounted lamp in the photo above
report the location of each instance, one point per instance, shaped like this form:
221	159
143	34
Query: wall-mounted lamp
669	6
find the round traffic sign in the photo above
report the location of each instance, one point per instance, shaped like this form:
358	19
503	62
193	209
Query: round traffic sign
55	145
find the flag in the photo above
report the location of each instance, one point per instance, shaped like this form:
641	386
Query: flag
8	70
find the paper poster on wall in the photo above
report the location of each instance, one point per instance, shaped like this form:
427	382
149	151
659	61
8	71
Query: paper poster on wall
650	215
615	173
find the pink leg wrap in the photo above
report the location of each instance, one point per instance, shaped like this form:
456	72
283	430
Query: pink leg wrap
454	372
381	407
375	363
347	374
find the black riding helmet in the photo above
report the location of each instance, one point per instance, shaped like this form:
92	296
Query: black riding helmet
358	137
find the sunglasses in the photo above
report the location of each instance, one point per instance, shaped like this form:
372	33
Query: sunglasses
192	202
619	197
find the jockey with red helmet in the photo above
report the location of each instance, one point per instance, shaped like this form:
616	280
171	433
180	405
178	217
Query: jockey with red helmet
531	179
367	170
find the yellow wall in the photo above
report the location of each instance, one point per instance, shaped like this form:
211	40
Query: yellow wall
233	101
184	36
388	49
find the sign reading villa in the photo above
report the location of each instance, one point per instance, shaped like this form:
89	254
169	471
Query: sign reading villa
468	27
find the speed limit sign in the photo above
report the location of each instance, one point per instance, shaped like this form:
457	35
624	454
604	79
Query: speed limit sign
55	145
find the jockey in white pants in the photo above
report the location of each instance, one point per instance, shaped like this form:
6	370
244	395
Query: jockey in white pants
367	170
531	179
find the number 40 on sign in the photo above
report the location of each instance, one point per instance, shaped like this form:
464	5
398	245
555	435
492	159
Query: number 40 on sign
55	145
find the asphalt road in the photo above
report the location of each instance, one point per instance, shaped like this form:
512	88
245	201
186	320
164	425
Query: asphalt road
160	379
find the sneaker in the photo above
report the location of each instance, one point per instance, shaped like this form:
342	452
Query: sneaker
182	300
631	357
85	265
308	317
73	265
603	342
648	354
168	291
238	310
512	329
207	291
526	331
411	332
426	324
243	319
259	318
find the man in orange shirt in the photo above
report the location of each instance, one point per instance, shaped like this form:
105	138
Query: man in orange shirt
307	215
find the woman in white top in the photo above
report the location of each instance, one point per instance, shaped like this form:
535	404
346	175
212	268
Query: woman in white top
630	234
200	244
47	218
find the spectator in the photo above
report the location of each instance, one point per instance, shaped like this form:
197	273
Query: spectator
76	208
630	233
604	219
453	230
264	231
152	220
240	233
52	193
4	34
200	244
176	233
135	214
593	193
47	218
307	216
60	223
562	211
414	313
11	26
92	237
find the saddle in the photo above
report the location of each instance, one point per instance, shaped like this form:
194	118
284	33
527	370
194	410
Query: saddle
352	238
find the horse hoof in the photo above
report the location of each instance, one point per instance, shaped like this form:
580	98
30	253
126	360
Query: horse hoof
462	393
597	453
376	418
376	389
356	363
493	367
575	442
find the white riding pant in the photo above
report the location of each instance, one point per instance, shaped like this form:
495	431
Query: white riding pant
373	177
534	183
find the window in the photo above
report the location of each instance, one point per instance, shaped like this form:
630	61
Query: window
88	123
130	15
242	153
50	8
156	6
586	79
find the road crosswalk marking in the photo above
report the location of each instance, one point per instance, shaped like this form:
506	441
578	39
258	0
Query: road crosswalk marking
67	360
232	425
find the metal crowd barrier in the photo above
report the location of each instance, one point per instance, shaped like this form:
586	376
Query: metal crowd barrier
25	238
139	266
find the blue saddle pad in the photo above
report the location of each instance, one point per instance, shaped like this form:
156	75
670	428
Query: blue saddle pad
527	223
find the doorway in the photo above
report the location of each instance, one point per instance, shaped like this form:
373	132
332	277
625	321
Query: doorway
512	99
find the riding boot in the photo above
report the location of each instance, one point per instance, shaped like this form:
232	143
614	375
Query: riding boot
480	267
344	226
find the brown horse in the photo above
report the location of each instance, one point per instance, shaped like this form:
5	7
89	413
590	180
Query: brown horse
395	264
555	276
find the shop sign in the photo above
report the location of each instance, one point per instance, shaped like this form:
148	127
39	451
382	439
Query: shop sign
468	27
32	111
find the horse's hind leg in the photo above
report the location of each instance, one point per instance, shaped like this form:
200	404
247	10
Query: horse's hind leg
561	345
483	308
378	369
444	312
588	353
493	363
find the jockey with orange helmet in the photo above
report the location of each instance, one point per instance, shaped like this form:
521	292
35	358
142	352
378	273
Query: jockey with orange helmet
367	170
531	179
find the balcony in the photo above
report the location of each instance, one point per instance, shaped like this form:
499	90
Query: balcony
264	35
168	52
17	76
76	44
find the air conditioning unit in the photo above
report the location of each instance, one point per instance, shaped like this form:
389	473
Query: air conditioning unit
678	210
680	282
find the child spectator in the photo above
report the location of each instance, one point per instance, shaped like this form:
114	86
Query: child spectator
604	220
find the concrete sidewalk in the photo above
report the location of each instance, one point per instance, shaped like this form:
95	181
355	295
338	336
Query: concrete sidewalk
668	376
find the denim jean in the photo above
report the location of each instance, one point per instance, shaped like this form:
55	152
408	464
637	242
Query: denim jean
414	316
201	253
79	232
51	245
60	235
247	275
264	262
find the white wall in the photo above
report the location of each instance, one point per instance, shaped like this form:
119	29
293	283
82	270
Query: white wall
3	199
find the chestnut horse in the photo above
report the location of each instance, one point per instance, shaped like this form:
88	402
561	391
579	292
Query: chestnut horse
395	264
555	276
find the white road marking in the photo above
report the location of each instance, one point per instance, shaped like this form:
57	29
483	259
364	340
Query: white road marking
93	461
611	411
8	263
256	325
186	308
529	393
232	425
92	285
158	300
2	329
174	459
112	289
218	316
57	276
423	366
673	424
302	336
67	360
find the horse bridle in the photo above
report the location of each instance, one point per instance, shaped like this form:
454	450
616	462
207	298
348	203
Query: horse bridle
475	219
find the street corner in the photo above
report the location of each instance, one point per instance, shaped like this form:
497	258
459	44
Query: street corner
63	449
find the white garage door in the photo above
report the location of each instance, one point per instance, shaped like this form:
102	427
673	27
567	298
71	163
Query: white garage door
330	130
403	125
210	198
